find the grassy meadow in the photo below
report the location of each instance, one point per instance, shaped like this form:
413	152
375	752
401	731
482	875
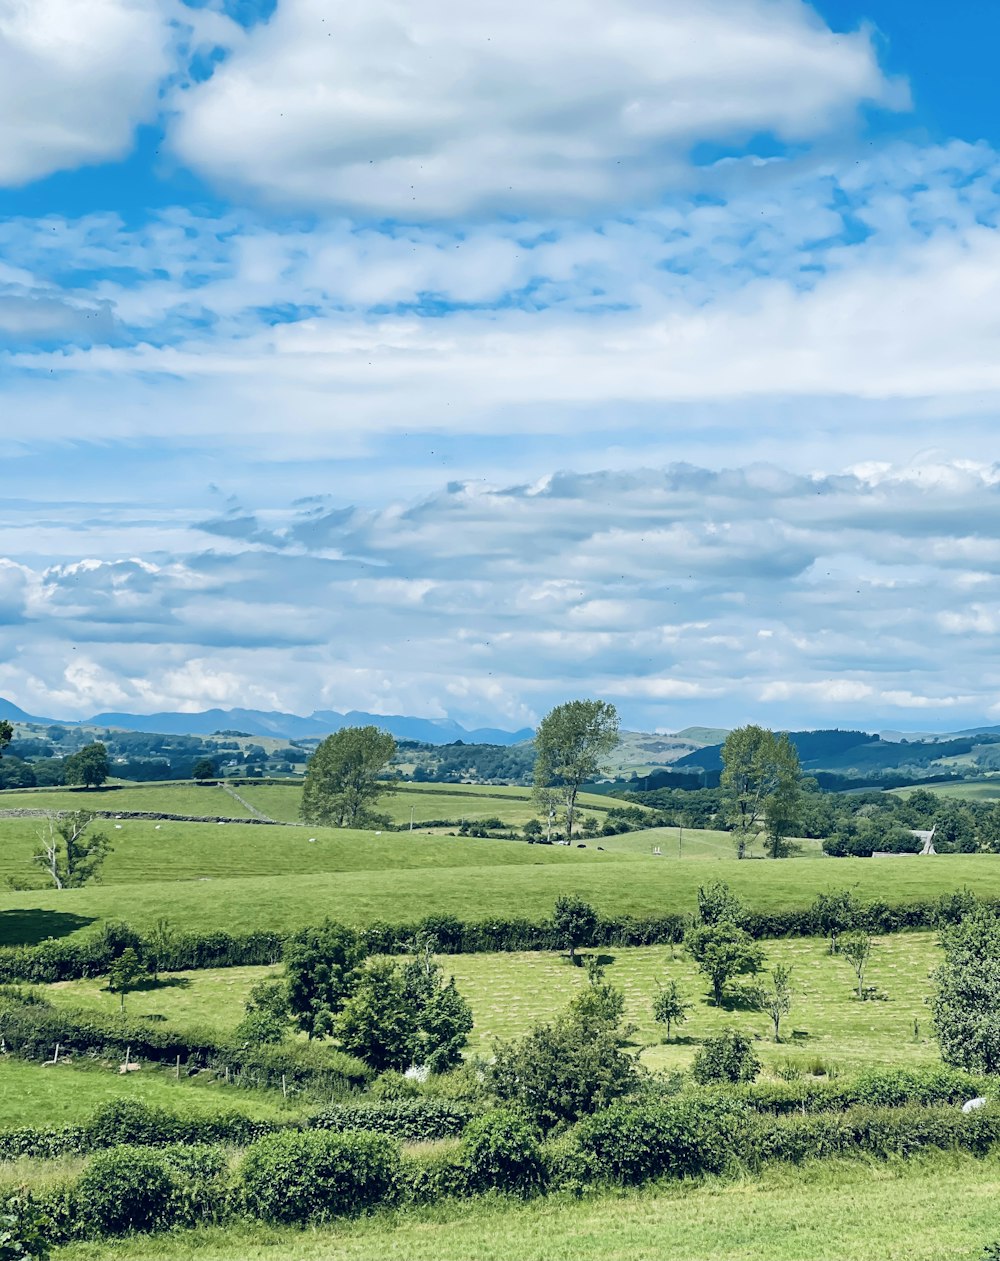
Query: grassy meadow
401	878
935	1208
512	992
184	797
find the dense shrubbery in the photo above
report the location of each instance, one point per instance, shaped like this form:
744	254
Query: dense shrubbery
502	1151
308	1177
123	1189
412	1120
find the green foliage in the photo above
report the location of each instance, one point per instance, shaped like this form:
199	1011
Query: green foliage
631	1143
266	1013
68	854
835	913
503	1152
296	1178
855	948
574	923
321	966
965	1006
760	785
729	1057
562	1071
717	904
126	973
90	766
412	1120
25	1229
343	777
124	1189
403	1014
669	1007
570	744
203	769
776	997
722	951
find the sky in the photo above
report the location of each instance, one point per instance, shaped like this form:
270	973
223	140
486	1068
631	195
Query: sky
458	360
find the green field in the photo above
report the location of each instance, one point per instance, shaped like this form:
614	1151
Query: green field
965	790
676	843
67	1094
937	1208
185	797
511	992
172	850
534	875
425	801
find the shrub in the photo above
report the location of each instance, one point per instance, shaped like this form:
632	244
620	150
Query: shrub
296	1178
729	1057
677	1138
25	1230
503	1152
433	1176
124	1189
413	1120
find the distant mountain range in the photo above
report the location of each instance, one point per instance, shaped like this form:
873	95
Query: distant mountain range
256	722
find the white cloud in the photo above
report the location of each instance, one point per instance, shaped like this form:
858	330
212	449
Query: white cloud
449	108
76	76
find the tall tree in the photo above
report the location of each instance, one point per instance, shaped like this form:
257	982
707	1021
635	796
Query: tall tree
90	766
760	771
6	735
966	1013
322	969
344	777
69	852
571	742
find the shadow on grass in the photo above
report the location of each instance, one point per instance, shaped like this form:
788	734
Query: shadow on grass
30	927
148	985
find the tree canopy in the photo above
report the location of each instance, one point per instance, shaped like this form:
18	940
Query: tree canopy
570	744
344	777
760	778
90	766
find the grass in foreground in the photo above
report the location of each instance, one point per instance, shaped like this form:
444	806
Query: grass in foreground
615	883
938	1208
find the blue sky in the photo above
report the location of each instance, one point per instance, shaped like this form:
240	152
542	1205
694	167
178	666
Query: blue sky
456	360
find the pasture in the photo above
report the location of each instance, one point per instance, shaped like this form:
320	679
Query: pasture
398	878
940	1207
184	797
964	790
512	992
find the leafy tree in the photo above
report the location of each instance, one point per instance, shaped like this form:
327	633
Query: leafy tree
321	966
562	1071
718	904
68	853
126	973
759	771
965	1006
265	1018
25	1228
600	1001
722	951
6	735
531	830
729	1057
403	1014
89	767
669	1007
203	769
834	914
547	799
574	922
160	941
570	744
776	999
343	778
856	948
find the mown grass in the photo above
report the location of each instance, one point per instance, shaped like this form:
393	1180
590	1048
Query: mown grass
936	1208
67	1094
510	993
171	850
426	802
527	886
168	798
676	843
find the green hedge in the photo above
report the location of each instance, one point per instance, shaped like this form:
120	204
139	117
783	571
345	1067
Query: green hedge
412	1120
31	1030
877	1087
92	956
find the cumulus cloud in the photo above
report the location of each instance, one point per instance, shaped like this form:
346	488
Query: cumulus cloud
484	601
385	109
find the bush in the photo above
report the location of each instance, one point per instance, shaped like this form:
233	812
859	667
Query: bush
25	1230
729	1057
677	1138
433	1176
503	1152
297	1178
412	1120
124	1189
